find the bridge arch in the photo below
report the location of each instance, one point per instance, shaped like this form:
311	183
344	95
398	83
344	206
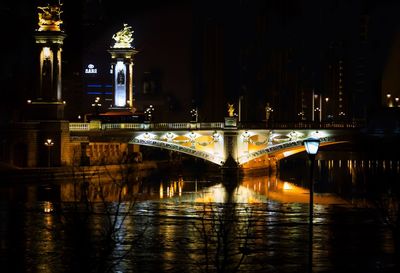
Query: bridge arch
213	141
286	149
187	142
169	145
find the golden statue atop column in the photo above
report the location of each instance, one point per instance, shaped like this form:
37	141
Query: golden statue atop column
124	37
49	38
49	18
122	55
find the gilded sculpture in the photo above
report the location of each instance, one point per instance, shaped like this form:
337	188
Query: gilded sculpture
231	110
49	18
124	37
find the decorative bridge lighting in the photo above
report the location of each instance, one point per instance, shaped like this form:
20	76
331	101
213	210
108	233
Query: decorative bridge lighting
293	135
245	136
319	134
192	135
216	137
169	136
146	136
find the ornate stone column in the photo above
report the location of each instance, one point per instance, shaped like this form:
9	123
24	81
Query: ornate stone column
122	55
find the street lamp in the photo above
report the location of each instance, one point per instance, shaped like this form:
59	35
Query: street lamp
326	108
49	143
149	112
96	105
301	115
389	100
311	144
268	113
194	114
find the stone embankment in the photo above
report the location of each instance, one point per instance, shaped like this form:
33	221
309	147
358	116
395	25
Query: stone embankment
10	174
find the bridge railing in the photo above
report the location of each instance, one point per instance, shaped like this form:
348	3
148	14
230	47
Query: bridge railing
79	126
351	124
303	125
95	125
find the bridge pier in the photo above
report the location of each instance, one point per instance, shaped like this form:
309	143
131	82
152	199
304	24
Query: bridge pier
231	150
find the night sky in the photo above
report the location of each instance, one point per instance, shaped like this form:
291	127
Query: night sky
206	53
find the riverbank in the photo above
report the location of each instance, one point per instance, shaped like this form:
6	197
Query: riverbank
11	174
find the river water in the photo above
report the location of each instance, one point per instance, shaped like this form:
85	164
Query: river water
203	222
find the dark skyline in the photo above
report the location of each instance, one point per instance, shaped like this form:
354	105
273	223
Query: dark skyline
206	54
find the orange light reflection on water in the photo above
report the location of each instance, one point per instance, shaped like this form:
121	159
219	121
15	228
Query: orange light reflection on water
251	190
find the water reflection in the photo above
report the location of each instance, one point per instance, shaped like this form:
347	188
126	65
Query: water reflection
187	224
248	189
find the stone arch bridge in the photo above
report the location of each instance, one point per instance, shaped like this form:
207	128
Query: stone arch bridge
215	141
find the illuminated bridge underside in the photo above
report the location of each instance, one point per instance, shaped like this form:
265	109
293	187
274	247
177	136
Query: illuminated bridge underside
248	145
179	148
212	141
286	149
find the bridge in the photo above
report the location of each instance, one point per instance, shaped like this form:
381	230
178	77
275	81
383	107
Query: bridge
216	141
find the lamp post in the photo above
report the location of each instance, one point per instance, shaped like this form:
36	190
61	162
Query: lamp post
268	113
96	105
49	143
311	145
326	109
389	102
149	112
194	114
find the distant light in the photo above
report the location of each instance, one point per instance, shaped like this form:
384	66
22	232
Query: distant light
287	186
29	101
388	95
48	207
49	142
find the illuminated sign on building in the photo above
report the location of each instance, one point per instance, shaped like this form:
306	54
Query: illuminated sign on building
90	69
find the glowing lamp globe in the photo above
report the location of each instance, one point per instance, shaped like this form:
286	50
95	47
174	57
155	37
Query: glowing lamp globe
311	144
